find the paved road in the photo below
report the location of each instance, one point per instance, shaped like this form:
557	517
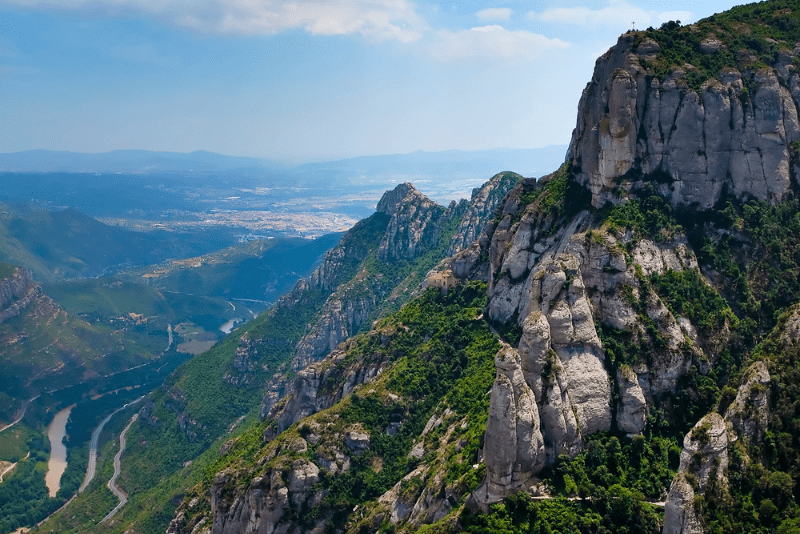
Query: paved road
22	413
112	484
92	465
11	467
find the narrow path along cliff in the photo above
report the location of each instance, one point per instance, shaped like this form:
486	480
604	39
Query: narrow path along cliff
112	484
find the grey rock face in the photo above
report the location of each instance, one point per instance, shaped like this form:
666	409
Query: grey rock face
704	460
631	124
339	319
749	412
514	447
17	292
791	330
416	224
679	514
632	406
559	285
481	209
265	506
318	387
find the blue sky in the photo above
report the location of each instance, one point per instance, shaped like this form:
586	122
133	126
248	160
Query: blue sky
304	80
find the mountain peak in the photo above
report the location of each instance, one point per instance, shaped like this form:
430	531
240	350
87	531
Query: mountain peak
392	200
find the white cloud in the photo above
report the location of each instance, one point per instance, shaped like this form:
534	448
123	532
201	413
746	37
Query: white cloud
494	13
375	19
618	14
491	42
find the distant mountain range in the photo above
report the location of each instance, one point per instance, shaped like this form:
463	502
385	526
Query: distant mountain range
361	170
125	161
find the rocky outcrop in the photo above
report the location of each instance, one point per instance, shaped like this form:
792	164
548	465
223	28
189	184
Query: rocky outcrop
318	387
340	318
634	126
704	460
560	284
632	406
244	364
412	225
680	515
481	209
517	447
17	292
416	226
748	414
267	505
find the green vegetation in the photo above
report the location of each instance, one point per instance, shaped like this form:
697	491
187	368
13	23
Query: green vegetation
263	269
54	246
556	198
757	250
762	475
24	498
687	294
615	510
646	213
761	29
645	464
6	270
441	356
96	501
14	442
197	405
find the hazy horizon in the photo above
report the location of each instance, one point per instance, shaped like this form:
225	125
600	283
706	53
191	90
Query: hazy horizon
310	81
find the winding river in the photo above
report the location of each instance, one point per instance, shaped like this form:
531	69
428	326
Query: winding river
57	463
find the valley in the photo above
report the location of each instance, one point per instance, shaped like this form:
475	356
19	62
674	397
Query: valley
609	346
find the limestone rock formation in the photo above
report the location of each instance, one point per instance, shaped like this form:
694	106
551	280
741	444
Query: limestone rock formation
704	460
318	387
680	516
514	445
16	293
749	412
480	210
632	125
632	406
415	225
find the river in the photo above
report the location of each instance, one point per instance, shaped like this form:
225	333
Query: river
228	327
57	463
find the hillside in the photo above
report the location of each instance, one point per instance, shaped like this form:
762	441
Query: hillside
637	337
262	269
376	267
53	245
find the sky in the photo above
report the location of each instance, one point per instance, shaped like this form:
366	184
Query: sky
305	80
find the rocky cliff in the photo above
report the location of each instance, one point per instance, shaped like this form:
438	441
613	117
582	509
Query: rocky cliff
16	293
416	227
695	130
639	302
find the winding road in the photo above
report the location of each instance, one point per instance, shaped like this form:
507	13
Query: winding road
21	414
112	484
92	465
